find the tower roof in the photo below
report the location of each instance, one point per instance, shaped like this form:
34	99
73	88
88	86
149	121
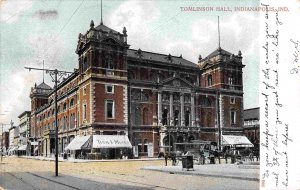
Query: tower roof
104	28
41	89
219	51
44	86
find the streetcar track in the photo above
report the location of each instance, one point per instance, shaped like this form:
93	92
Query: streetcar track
20	179
149	185
77	176
60	183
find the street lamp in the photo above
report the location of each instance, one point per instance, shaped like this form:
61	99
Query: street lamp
54	74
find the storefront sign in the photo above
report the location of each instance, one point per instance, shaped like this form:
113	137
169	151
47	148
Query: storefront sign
111	141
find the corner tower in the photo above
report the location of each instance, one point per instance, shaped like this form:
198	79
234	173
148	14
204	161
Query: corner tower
102	61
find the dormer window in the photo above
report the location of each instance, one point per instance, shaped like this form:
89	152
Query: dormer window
209	80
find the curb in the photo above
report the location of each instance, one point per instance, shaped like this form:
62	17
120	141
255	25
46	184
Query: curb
89	161
203	174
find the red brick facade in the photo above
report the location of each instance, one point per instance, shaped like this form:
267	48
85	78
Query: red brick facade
148	96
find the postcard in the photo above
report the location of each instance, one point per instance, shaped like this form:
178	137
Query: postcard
154	94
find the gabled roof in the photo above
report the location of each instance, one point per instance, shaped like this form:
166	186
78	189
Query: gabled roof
176	82
170	59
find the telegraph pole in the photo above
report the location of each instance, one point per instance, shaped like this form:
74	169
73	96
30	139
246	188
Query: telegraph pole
56	75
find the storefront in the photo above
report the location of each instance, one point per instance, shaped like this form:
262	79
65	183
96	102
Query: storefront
22	150
100	147
236	141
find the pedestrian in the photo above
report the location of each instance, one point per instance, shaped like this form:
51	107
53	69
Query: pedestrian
166	159
212	157
173	158
251	156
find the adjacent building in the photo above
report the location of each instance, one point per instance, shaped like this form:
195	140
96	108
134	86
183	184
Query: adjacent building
252	125
155	100
5	140
24	131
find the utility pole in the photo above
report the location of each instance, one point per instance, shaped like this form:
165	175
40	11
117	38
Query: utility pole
56	75
1	142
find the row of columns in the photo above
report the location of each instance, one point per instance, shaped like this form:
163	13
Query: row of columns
171	112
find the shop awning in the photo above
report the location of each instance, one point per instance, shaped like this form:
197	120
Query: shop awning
239	141
111	141
78	142
34	143
22	147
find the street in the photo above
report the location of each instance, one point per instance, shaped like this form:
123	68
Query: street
19	173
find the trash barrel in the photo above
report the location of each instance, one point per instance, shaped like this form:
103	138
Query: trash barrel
187	163
65	155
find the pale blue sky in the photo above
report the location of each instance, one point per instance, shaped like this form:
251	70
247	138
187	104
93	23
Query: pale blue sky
33	31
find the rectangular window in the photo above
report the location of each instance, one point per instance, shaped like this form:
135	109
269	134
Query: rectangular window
109	109
109	89
84	112
233	117
230	80
232	100
84	91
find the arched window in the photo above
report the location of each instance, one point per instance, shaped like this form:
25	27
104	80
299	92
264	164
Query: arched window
145	117
209	80
65	106
72	102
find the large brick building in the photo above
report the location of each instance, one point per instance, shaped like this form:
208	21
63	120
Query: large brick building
152	98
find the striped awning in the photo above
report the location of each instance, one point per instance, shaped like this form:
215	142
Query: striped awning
78	142
239	141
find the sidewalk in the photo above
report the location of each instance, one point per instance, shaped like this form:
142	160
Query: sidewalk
243	171
60	159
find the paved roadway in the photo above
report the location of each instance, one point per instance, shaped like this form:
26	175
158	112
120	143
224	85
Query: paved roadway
24	174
